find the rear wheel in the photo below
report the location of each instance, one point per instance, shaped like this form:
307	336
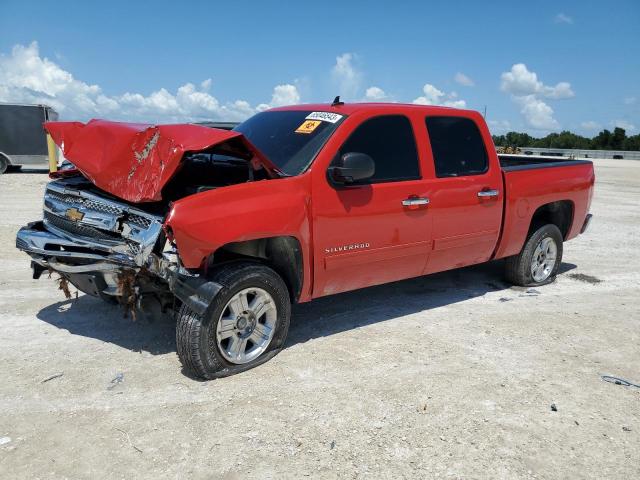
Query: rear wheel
4	164
538	262
245	325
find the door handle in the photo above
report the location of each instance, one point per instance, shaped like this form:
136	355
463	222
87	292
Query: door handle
415	201
488	193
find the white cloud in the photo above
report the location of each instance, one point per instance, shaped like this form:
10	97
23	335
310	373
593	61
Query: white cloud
520	81
499	126
630	100
26	77
434	96
375	94
562	18
628	126
537	113
282	95
527	92
463	80
591	125
347	77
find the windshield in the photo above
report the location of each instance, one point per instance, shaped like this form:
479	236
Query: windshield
291	138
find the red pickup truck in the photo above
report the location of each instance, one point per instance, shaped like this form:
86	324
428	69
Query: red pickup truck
230	227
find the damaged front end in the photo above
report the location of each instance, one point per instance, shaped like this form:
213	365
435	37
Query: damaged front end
98	244
110	249
102	226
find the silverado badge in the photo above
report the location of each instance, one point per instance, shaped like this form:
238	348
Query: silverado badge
74	214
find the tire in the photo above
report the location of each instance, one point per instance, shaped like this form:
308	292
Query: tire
519	269
201	348
4	164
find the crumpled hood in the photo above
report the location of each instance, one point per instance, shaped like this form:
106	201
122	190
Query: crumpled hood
135	161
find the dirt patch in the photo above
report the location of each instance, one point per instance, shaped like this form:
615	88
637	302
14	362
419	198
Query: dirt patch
581	277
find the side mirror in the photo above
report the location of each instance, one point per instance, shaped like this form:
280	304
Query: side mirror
353	166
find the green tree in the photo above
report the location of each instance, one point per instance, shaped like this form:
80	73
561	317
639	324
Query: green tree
498	140
602	141
632	142
605	140
618	138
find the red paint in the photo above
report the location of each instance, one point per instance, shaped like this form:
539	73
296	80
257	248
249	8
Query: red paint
539	187
135	161
350	237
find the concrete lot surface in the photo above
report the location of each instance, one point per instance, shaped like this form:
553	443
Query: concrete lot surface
448	376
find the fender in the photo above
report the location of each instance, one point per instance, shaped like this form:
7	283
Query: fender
202	223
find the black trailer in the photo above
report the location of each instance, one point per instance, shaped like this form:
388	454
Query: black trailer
23	140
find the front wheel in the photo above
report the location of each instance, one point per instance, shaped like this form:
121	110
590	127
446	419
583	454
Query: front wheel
245	326
538	262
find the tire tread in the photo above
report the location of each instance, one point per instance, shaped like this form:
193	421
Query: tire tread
190	325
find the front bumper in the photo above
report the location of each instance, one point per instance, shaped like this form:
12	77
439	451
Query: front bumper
61	254
93	271
100	274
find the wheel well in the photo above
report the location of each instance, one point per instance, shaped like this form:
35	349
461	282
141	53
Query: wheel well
558	213
283	254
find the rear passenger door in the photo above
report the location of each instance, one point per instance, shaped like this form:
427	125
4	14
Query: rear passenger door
375	231
466	194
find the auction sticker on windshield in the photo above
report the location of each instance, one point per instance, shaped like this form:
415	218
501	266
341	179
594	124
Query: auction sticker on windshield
308	126
324	116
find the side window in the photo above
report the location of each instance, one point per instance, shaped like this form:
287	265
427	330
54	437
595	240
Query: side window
389	141
457	146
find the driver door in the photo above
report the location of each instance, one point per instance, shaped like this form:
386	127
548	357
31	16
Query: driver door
377	230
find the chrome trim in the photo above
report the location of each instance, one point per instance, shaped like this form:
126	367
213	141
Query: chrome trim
93	267
134	231
42	243
410	202
488	193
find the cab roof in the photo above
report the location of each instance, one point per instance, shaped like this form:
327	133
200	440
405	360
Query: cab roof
350	108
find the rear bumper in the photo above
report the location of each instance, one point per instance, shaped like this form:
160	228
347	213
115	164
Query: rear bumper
587	222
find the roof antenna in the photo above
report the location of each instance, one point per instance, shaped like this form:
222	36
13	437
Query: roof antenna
336	102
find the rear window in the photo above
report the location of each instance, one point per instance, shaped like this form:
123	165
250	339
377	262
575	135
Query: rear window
457	146
291	138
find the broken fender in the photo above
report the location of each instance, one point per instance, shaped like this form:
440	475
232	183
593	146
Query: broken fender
135	161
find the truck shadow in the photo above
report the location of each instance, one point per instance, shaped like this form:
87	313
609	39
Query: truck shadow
338	313
92	318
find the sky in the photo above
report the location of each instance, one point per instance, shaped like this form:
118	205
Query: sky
536	66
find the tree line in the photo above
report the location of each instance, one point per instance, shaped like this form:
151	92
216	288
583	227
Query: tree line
605	140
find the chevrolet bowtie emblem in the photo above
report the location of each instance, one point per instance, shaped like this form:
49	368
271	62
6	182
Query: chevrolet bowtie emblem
74	214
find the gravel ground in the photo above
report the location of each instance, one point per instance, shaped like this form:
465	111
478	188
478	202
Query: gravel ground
450	376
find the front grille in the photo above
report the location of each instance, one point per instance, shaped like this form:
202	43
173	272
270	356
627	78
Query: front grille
64	198
134	247
139	220
135	231
78	228
102	207
85	202
21	244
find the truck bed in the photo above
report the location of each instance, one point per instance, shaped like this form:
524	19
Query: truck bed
510	163
530	182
